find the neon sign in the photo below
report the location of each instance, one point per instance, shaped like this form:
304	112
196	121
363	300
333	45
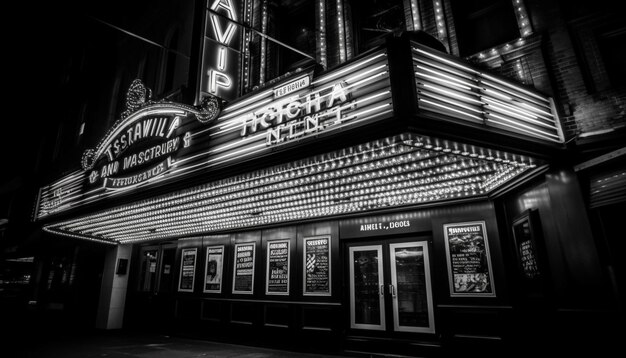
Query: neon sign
219	72
356	94
298	116
144	145
154	138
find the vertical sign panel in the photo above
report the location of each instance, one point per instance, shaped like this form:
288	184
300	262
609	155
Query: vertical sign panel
187	270
469	263
277	268
317	266
243	275
214	269
220	55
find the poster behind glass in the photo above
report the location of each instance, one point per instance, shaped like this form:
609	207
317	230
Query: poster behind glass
528	245
187	270
317	266
243	275
469	262
214	269
277	280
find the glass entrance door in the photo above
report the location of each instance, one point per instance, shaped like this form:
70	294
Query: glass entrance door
148	268
410	288
157	268
367	301
390	287
153	301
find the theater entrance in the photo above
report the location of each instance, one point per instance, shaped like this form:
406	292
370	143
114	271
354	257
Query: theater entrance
151	306
390	291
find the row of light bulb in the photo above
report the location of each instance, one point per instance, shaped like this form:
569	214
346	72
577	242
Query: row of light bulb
247	192
270	196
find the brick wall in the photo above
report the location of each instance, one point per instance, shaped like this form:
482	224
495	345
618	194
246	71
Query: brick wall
586	99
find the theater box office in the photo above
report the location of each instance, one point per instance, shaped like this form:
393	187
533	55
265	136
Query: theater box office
367	207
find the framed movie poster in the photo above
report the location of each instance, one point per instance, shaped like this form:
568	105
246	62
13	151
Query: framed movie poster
214	269
469	262
525	247
187	270
530	254
277	280
317	266
243	274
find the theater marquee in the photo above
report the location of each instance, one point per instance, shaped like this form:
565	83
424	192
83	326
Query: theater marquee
143	145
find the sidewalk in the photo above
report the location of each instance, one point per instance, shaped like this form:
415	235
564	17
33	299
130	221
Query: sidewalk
123	344
34	334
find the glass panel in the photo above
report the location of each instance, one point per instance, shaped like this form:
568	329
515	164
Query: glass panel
165	284
300	35
148	270
412	299
366	277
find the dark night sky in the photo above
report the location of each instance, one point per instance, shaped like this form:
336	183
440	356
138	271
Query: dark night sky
36	36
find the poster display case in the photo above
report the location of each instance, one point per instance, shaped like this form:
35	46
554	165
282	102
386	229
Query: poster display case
468	259
278	258
187	270
317	275
214	269
528	245
243	274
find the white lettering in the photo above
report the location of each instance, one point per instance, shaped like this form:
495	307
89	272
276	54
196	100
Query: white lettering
217	80
303	114
226	5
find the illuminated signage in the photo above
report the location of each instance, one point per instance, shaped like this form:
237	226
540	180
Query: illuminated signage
221	50
383	225
159	142
298	116
294	112
291	87
58	196
154	158
143	146
140	150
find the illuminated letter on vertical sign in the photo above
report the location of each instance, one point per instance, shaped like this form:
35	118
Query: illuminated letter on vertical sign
221	50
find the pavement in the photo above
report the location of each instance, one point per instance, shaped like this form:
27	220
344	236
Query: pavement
126	344
31	334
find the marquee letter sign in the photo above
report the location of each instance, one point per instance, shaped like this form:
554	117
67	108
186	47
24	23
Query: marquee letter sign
144	144
221	50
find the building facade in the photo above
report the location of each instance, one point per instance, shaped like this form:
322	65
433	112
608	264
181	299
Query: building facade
417	177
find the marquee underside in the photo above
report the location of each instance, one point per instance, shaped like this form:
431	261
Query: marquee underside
401	171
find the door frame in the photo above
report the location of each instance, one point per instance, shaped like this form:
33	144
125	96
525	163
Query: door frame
389	312
428	282
381	288
160	248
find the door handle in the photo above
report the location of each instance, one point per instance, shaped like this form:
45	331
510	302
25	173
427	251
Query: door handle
382	290
392	290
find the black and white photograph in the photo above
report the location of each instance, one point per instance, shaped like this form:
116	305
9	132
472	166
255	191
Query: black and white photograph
313	178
